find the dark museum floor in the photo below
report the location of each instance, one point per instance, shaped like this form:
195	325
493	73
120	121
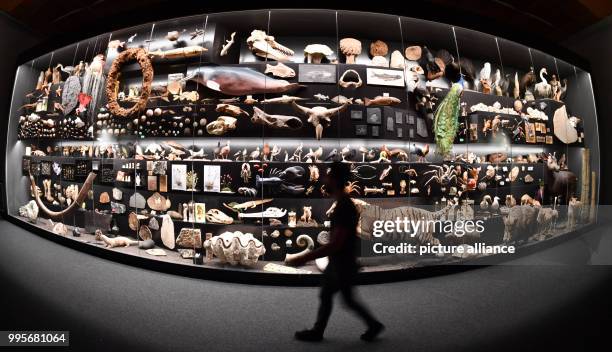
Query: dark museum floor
111	305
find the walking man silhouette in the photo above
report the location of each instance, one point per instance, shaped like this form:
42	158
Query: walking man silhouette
342	269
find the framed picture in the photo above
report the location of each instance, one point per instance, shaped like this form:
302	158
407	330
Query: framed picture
356	114
163	183
411	133
361	130
374	116
375	131
179	177
549	140
385	77
400	133
410	120
200	212
212	178
309	73
159	167
530	133
399	117
390	124
540	139
421	127
152	183
95	165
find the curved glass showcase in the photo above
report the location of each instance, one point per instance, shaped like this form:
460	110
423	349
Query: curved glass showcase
202	141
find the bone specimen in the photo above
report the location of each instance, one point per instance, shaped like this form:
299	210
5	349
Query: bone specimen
413	53
563	128
446	121
319	116
385	173
321	97
221	126
315	53
238	207
280	70
117	241
78	199
351	48
30	211
188	51
238	80
285	99
381	100
231	110
373	190
216	216
265	46
275	121
271	212
302	240
236	248
249	100
167	231
228	44
189	238
355	79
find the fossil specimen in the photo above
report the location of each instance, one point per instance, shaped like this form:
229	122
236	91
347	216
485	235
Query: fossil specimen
350	79
280	70
216	216
265	46
319	116
302	240
285	99
221	125
231	110
189	238
315	53
158	202
275	121
351	48
236	248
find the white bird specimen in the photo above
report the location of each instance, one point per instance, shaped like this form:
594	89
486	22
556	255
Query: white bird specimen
543	88
495	204
484	204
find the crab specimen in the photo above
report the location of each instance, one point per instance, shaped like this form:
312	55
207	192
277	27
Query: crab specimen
314	173
265	46
443	175
352	186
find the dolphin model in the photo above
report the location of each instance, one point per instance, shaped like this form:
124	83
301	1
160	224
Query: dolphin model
238	80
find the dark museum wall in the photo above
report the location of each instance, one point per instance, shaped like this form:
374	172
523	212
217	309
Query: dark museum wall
593	44
15	39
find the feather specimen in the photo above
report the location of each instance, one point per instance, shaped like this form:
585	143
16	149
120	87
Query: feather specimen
446	121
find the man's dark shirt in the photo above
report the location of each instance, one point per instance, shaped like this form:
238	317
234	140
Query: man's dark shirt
345	216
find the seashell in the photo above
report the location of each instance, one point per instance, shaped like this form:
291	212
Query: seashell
133	221
288	243
117	194
30	211
145	233
514	173
158	202
323	238
153	223
528	178
235	248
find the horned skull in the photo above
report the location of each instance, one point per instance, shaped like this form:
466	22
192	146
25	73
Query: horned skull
265	46
319	116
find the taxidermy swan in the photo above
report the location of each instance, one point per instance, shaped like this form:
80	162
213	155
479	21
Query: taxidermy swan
485	78
543	88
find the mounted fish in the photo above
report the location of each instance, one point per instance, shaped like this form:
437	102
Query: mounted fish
319	116
265	46
381	100
238	80
446	121
280	70
275	121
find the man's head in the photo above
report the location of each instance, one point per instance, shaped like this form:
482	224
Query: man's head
337	177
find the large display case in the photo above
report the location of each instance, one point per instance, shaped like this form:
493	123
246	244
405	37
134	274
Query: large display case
202	141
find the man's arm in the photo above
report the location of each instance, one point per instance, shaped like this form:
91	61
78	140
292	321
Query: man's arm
337	240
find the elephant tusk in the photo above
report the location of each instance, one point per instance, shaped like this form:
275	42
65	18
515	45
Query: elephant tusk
80	198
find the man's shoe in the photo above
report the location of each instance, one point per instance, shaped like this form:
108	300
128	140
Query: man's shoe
372	332
309	335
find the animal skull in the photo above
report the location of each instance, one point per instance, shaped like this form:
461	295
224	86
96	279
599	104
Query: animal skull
275	121
265	46
319	116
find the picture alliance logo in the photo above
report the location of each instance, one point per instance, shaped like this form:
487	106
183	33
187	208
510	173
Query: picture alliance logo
410	227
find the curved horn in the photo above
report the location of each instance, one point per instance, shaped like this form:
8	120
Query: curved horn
305	110
80	198
302	240
335	110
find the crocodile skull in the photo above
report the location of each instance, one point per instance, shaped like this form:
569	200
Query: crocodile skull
264	45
